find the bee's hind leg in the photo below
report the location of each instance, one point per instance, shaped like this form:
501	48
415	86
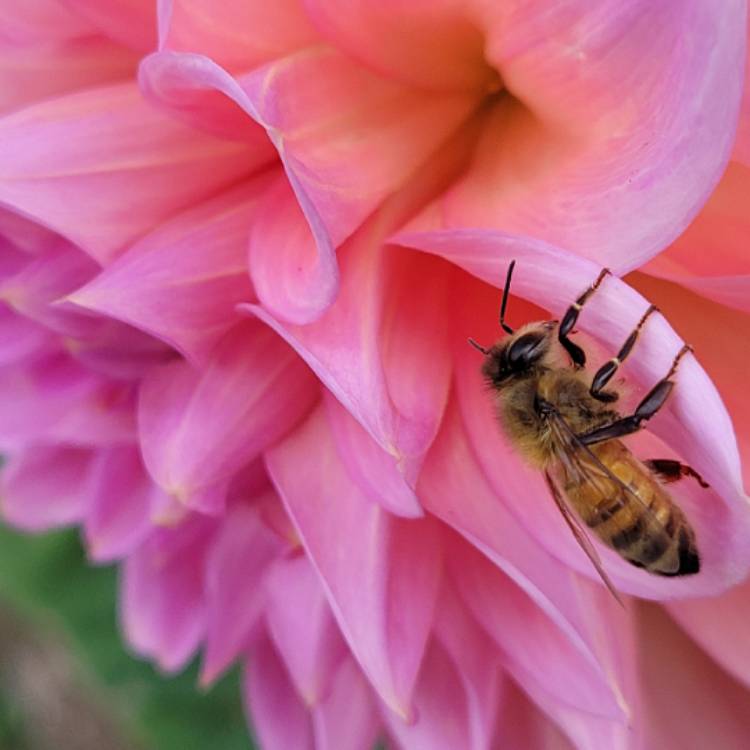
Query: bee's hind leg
608	369
569	320
651	403
669	470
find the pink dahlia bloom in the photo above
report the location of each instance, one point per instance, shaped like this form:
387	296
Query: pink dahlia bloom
243	246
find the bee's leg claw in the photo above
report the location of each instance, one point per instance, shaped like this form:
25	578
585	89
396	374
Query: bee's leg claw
669	470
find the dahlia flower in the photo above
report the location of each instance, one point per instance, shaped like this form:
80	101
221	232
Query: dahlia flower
243	246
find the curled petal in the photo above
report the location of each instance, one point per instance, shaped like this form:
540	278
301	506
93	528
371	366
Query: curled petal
141	167
45	486
199	426
381	573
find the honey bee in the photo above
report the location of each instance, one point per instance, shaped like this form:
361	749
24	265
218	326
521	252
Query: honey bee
563	422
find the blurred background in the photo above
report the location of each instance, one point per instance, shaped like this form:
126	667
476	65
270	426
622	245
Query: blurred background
66	679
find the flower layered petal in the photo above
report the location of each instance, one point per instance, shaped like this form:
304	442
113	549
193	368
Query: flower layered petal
139	167
275	710
381	573
181	282
347	719
162	601
37	21
565	157
45	486
20	337
235	597
694	423
373	361
200	426
119	515
130	22
302	627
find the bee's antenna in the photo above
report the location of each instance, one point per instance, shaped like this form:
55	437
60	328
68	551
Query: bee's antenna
504	303
479	346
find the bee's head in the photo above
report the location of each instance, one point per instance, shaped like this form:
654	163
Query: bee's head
518	355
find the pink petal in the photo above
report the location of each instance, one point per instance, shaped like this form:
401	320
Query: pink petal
198	427
26	236
347	719
275	711
130	22
711	256
20	338
688	700
45	486
139	169
181	283
32	72
235	597
241	34
741	151
302	628
38	21
380	573
374	363
694	423
162	599
118	519
566	157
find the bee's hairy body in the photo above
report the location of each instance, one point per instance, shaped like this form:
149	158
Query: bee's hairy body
665	545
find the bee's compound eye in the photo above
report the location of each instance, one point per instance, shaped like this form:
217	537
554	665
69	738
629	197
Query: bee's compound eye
525	350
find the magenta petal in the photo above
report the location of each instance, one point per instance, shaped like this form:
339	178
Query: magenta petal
235	597
181	283
381	574
19	337
118	519
276	713
347	719
141	168
302	628
45	486
199	426
162	599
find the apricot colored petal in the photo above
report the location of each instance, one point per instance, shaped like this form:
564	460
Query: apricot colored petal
694	423
181	283
129	22
162	600
381	573
275	712
302	627
29	73
565	157
235	597
372	346
140	168
118	518
45	486
240	35
347	719
710	257
677	678
199	426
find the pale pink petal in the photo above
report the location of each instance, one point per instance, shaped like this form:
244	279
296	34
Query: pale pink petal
162	599
710	257
235	596
29	73
567	157
694	423
240	34
688	700
347	719
137	169
38	21
199	426
381	573
371	348
118	518
275	711
45	486
54	398
130	22
301	626
741	151
181	283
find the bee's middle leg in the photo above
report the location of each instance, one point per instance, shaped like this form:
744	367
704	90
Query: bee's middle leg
608	369
669	470
651	403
